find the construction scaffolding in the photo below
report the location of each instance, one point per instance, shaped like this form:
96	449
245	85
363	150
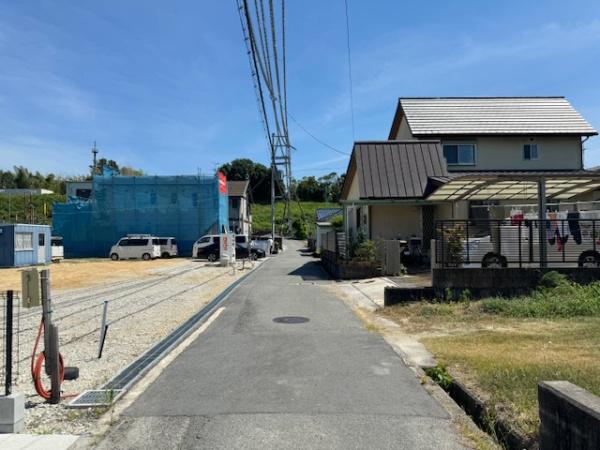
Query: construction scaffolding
185	207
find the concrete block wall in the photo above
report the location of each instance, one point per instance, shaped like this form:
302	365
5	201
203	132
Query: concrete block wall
569	417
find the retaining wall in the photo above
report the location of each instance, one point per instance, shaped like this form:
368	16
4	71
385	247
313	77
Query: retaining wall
569	417
510	281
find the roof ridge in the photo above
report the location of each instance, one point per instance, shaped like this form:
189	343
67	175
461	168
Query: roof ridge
491	97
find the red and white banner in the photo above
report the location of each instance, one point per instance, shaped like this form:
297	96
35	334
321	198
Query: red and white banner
222	183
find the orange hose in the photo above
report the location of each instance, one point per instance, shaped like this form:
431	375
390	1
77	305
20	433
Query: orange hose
36	368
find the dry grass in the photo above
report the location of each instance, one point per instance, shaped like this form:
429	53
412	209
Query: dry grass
503	359
78	273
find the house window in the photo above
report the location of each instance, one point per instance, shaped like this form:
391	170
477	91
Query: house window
23	241
41	239
459	154
530	151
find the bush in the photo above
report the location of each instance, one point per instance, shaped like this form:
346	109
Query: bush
337	223
553	279
365	251
299	229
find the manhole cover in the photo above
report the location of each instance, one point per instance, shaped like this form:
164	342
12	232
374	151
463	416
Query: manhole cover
291	319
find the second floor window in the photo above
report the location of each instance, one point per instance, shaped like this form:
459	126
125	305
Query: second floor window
530	151
459	154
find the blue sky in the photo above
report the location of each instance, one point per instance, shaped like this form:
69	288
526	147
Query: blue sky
165	86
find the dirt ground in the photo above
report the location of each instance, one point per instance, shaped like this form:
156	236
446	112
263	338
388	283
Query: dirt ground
79	273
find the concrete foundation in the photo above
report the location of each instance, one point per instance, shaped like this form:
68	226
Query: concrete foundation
12	413
510	281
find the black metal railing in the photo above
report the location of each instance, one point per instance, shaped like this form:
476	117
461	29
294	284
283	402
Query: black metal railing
518	242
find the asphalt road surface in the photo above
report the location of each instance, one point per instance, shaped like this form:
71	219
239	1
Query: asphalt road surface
249	382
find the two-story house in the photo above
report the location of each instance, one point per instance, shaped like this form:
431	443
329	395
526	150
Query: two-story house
240	216
445	156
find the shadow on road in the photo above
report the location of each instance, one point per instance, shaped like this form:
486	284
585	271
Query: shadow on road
311	271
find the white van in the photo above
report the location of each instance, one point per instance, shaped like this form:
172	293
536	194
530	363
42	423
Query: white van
136	246
168	247
58	251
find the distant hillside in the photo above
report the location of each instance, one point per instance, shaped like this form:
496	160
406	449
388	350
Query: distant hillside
261	213
19	208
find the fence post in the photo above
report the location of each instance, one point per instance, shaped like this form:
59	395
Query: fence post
8	343
53	357
46	313
102	328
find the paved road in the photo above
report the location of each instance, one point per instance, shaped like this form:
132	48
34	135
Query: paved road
251	383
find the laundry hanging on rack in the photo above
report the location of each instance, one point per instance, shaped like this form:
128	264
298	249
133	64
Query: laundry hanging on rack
574	229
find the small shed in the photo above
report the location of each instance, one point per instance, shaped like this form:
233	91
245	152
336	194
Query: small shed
24	245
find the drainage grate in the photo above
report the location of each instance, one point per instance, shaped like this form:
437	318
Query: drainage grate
100	397
291	319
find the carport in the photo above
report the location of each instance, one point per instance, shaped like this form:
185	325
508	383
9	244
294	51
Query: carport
542	186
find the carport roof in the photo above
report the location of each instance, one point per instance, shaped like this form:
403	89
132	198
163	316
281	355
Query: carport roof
514	185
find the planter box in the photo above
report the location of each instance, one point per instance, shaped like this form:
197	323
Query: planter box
348	269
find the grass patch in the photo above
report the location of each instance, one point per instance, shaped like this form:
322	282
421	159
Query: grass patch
261	214
501	348
507	365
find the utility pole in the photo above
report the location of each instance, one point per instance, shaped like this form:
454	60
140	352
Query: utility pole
95	160
281	165
273	172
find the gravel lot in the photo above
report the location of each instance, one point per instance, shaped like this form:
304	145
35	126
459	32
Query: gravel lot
141	311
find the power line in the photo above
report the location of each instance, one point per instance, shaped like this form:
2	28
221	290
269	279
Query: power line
325	144
350	69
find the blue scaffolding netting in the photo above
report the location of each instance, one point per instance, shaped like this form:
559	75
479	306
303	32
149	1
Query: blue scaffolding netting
184	207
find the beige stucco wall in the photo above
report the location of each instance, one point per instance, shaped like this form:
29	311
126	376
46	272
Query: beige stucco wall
353	192
403	131
506	153
393	221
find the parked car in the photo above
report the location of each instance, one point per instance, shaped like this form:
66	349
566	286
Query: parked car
243	251
207	247
135	247
265	243
168	247
58	250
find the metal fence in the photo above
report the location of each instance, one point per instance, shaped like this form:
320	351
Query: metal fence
518	242
335	242
10	309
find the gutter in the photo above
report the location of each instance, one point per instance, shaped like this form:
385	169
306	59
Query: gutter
415	201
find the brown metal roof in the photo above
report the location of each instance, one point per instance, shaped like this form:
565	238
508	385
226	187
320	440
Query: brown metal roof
444	116
396	169
237	188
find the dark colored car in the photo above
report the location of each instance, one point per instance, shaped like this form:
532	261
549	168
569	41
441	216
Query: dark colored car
241	252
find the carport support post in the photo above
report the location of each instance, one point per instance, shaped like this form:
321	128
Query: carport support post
542	220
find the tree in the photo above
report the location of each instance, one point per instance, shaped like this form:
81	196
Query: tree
257	174
309	189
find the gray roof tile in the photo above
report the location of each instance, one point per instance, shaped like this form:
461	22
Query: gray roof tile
493	115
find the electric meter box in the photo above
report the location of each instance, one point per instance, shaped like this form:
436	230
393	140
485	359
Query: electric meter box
30	288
